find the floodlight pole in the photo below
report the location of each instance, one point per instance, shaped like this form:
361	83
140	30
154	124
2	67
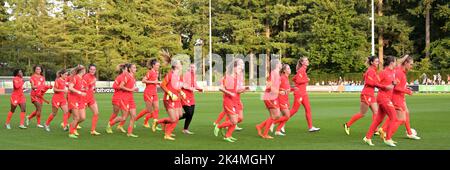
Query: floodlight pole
210	46
372	19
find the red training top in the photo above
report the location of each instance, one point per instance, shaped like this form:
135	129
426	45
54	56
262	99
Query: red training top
189	80
301	81
39	82
150	88
173	83
401	88
90	85
370	81
18	86
387	77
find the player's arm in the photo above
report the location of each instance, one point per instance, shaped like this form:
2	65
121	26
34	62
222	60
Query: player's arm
187	87
180	91
224	90
17	84
122	87
75	90
197	87
32	83
285	91
243	90
114	86
401	89
94	86
274	89
145	80
56	88
164	85
300	79
372	80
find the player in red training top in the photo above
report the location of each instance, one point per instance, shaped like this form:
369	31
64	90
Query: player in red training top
171	85
77	93
66	116
90	81
128	87
38	89
283	99
17	99
300	95
270	98
398	97
385	105
189	86
58	99
241	88
117	100
367	94
229	88
150	94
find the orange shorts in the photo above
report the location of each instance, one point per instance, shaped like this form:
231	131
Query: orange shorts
17	100
150	97
37	99
89	101
239	106
169	104
230	107
369	100
58	102
76	103
272	104
400	106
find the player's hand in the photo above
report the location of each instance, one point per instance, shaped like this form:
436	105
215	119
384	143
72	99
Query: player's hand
409	92
183	94
247	88
83	94
200	90
390	87
395	82
172	96
232	94
273	93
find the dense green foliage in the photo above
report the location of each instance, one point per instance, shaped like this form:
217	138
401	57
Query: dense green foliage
335	34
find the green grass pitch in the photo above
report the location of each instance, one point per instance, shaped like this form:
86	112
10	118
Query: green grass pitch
430	116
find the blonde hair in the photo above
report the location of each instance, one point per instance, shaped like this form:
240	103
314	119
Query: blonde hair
299	62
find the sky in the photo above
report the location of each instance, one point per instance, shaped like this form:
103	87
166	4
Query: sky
58	7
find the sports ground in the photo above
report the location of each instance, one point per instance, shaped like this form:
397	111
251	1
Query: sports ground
430	116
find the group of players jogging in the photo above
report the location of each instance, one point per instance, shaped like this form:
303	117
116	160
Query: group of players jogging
74	91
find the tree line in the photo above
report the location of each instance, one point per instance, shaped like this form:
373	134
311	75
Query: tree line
334	34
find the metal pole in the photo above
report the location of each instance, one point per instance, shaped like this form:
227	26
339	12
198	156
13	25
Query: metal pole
373	28
210	45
